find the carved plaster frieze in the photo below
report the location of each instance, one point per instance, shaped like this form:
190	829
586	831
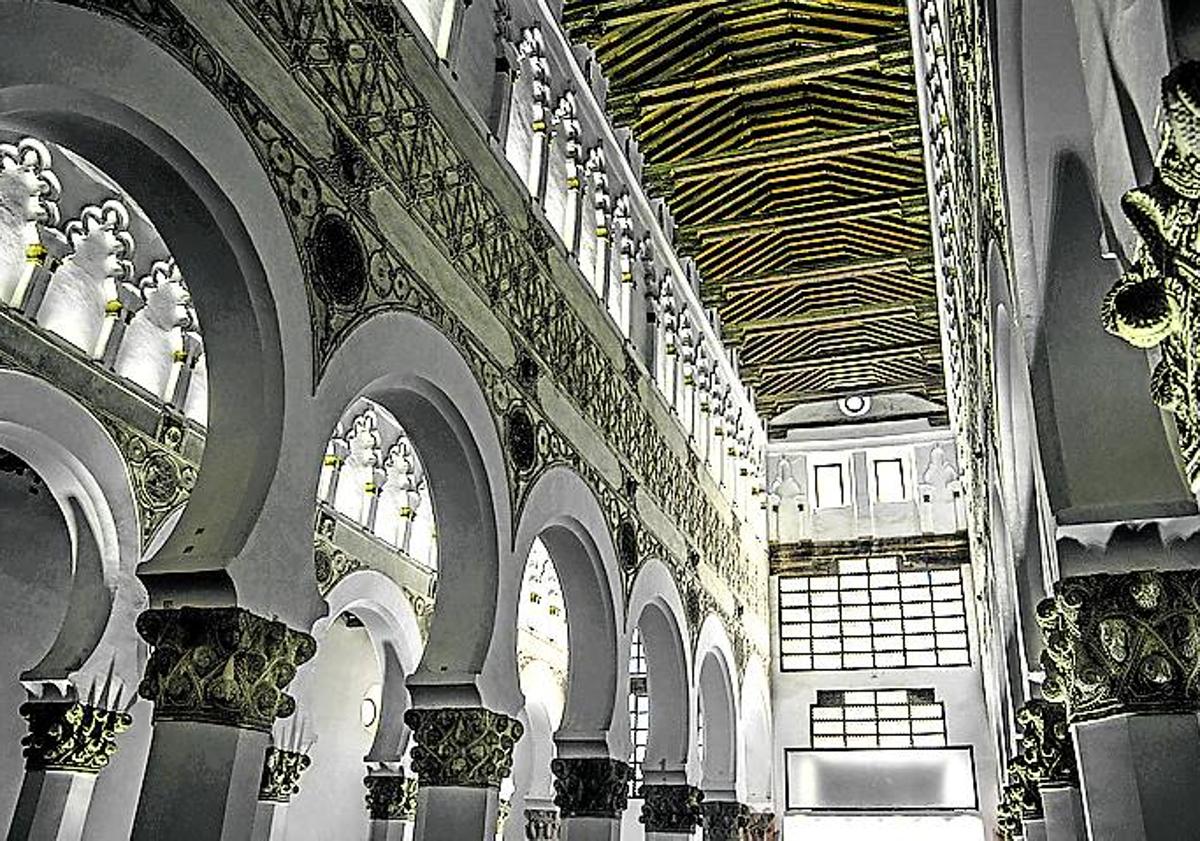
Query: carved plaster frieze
469	747
70	736
671	808
590	787
220	665
281	774
1155	302
1123	643
724	820
1046	744
391	797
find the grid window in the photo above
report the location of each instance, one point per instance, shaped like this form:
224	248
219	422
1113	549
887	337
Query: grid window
870	615
831	489
639	711
889	480
883	718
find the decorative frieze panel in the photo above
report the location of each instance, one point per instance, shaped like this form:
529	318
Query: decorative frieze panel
1155	303
220	665
281	774
591	787
71	736
671	808
1123	643
470	747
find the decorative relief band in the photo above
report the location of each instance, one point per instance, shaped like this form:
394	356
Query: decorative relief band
591	787
1123	643
70	736
222	665
470	747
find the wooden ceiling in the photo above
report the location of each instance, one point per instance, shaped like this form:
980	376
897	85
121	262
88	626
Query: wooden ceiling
784	135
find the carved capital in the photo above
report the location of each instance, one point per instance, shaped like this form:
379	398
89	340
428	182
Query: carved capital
470	747
1019	801
591	787
760	826
671	808
724	820
220	665
70	736
281	774
541	825
391	797
1123	643
1046	744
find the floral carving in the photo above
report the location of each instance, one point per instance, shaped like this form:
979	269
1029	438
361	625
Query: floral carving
671	808
1046	743
220	665
391	797
469	747
70	736
1019	800
1123	643
281	774
590	787
724	820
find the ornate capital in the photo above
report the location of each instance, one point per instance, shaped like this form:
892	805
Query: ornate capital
70	736
591	787
671	808
1019	801
470	747
221	665
759	826
1123	643
1046	744
724	820
391	797
541	825
281	774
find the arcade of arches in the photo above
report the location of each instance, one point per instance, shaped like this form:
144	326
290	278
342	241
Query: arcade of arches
439	420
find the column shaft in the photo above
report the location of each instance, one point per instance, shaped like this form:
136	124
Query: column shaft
52	806
1063	807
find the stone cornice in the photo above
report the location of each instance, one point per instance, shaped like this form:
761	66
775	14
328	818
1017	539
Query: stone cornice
918	552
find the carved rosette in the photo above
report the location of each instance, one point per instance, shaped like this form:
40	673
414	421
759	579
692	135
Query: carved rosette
70	736
760	826
541	825
391	797
471	747
591	787
671	808
281	774
1046	744
1155	301
220	665
724	820
1123	643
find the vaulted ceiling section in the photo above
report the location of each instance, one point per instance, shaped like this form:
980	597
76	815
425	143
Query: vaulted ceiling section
784	135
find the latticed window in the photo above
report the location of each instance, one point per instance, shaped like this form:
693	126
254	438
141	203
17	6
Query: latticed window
880	718
872	615
639	711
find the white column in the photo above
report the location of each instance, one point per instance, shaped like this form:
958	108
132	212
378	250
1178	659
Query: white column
1140	776
1063	807
52	806
445	812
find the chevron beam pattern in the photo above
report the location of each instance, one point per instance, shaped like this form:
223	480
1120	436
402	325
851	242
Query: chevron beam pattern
785	136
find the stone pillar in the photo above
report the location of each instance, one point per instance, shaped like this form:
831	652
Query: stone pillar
1034	830
591	793
68	745
391	805
216	678
460	757
1063	808
280	780
671	812
760	826
724	820
541	825
1122	653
